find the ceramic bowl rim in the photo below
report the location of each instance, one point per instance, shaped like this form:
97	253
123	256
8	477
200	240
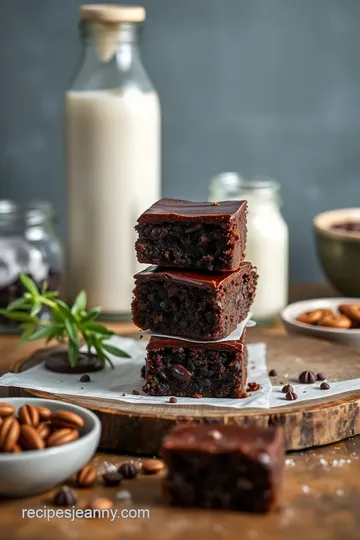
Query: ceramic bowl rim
321	329
56	450
323	222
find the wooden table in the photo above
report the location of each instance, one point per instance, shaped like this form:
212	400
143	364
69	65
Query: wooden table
321	496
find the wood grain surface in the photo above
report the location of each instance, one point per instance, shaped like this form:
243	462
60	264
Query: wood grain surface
139	428
321	498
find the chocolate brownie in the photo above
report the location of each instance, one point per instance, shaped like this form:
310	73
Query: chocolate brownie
193	235
181	368
224	466
192	304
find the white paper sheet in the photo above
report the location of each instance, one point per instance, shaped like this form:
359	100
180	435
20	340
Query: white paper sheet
235	335
126	377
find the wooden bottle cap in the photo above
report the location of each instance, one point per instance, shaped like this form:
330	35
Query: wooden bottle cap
111	14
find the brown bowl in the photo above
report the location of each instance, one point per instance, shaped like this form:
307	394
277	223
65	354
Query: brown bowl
339	250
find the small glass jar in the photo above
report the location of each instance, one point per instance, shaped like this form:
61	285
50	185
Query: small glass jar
29	245
267	239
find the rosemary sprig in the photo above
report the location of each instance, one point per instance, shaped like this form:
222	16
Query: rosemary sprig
73	324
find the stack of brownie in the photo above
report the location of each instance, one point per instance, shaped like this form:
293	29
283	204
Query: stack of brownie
198	288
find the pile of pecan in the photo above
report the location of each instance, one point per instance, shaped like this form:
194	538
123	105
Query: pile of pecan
348	317
36	428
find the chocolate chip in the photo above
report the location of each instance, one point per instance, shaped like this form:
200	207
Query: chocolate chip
173	400
307	377
124	495
180	373
324	386
85	378
135	393
287	388
273	373
143	369
123	394
112	478
128	470
65	497
141	336
321	376
291	396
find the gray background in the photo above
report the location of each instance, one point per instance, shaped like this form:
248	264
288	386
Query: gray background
260	86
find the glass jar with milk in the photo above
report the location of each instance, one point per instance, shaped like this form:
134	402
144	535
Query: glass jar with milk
112	150
267	242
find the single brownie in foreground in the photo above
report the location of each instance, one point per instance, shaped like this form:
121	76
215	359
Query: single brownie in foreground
193	235
192	304
181	368
226	466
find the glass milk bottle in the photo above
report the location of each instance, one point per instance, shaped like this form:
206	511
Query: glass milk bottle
267	240
112	150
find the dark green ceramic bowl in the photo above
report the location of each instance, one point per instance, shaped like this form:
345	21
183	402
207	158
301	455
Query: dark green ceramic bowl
339	250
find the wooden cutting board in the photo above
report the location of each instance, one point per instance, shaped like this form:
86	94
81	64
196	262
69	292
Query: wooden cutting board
139	429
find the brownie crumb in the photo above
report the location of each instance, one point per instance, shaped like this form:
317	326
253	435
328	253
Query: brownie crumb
215	203
197	396
324	386
253	386
123	394
141	336
85	378
135	393
173	400
273	373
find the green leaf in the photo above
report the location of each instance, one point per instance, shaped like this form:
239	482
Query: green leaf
79	304
29	284
28	330
19	316
115	351
72	333
73	354
42	333
44	287
65	311
36	307
98	328
92	314
19	303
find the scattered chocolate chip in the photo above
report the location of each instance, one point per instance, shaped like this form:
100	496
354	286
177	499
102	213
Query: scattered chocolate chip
180	373
307	377
253	386
173	400
112	478
321	376
152	466
123	394
65	497
291	396
141	336
135	393
124	495
85	378
287	388
143	369
324	386
273	373
128	470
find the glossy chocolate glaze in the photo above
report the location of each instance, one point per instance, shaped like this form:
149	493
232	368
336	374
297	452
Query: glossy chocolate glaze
169	210
196	279
264	444
169	343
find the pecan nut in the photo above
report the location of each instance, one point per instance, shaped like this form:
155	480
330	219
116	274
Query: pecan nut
66	419
29	415
44	429
6	410
9	434
44	413
86	477
30	438
62	436
335	321
313	316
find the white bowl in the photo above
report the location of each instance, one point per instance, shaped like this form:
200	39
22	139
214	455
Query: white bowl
344	336
33	472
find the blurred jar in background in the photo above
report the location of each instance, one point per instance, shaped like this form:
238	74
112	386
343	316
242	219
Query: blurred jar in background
267	240
28	244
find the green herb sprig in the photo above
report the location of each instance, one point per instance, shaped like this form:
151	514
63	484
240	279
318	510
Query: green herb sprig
74	325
